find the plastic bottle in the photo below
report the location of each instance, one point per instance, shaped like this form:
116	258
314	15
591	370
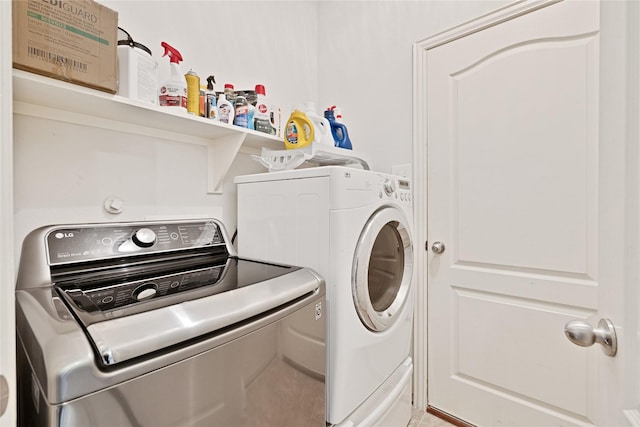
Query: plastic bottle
338	130
202	98
263	113
173	92
322	128
229	93
225	110
299	131
252	113
137	69
306	127
210	101
241	112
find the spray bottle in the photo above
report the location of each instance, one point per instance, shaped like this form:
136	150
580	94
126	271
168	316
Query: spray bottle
173	92
210	102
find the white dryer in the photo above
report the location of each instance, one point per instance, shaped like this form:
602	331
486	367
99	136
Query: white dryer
354	227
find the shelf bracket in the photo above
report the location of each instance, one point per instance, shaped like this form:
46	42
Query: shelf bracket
222	151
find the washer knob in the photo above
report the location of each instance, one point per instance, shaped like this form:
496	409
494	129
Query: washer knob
389	186
144	237
145	291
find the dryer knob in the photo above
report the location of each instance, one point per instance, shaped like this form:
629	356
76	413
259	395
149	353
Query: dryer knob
389	186
144	237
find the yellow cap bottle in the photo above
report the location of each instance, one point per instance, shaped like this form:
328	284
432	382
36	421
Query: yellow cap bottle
299	131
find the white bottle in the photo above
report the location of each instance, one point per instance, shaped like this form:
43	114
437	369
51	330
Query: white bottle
173	92
225	110
138	71
263	115
321	126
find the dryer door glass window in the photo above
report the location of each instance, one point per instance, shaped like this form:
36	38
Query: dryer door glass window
382	269
386	267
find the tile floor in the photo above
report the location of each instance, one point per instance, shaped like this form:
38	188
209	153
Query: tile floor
420	418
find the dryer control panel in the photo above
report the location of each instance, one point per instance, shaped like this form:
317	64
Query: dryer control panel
397	189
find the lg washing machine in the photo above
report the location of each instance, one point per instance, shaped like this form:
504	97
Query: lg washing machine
354	227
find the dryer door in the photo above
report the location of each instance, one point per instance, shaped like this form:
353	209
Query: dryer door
382	268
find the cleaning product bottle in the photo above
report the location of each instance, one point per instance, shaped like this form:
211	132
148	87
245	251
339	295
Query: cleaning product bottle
322	128
241	112
338	130
252	113
229	93
306	127
263	113
137	69
173	92
299	131
193	93
225	110
210	101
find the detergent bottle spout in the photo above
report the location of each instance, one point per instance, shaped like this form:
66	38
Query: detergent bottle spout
174	55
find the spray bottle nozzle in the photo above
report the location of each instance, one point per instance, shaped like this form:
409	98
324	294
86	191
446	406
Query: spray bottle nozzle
174	55
210	82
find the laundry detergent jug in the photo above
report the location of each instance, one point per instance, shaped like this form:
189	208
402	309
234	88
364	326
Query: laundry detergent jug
299	131
306	127
338	130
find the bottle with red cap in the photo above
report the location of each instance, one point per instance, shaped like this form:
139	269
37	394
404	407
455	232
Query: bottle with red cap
173	92
230	93
263	118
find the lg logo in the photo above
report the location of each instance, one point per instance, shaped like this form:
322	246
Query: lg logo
61	235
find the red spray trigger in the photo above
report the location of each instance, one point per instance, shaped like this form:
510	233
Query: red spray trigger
174	55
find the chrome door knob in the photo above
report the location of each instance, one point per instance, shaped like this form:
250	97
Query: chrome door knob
583	334
437	247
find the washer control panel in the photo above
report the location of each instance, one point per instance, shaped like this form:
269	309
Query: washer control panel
115	296
87	243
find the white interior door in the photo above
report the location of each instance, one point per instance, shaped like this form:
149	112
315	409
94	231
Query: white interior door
526	193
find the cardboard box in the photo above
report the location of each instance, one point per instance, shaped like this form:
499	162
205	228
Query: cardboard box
72	40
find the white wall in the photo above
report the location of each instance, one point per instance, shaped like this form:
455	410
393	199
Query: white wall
354	54
63	173
240	42
365	54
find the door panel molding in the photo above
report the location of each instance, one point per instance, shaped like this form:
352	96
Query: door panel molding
506	13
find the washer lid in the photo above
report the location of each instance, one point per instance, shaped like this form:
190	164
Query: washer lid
382	269
124	338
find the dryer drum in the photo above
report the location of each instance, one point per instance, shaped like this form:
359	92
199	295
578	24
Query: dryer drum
382	269
386	268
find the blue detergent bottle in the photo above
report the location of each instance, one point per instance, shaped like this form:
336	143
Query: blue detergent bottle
338	130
